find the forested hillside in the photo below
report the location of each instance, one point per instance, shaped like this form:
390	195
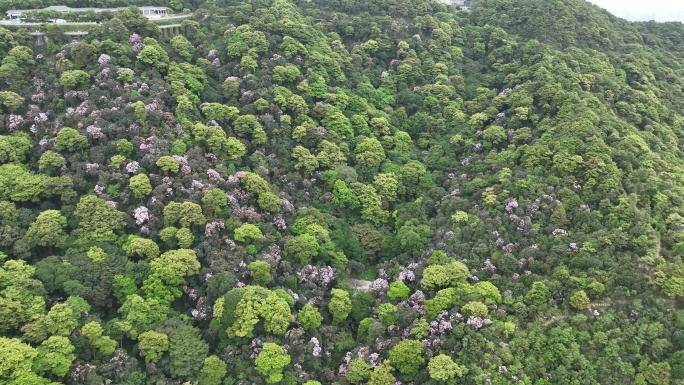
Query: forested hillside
344	192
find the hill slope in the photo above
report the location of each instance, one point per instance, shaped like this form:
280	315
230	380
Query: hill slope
345	192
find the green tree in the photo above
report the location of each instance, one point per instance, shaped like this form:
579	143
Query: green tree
212	372
167	163
74	79
475	308
305	160
303	247
579	300
93	332
340	305
55	356
187	351
538	295
359	371
261	272
50	162
247	231
140	186
142	314
186	213
16	358
310	317
70	140
435	276
407	357
271	361
658	373
97	219
398	291
173	266
213	201
152	345
443	368
61	320
382	375
48	229
146	248
183	47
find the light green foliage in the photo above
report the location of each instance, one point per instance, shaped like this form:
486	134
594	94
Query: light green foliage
49	162
261	272
153	345
310	317
142	247
255	303
340	305
212	372
142	314
359	371
658	373
98	220
11	100
74	79
214	201
93	332
387	313
185	238
220	112
182	46
55	356
154	56
488	291
246	125
61	320
173	266
382	375
186	213
303	247
140	113
222	146
70	140
330	155
96	254
271	361
167	163
369	153
407	357
460	217
140	185
48	229
344	197
16	358
371	205
435	276
538	295
579	300
443	368
398	291
475	308
247	232
305	160
387	186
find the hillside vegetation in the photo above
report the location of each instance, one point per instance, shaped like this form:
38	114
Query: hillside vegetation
344	192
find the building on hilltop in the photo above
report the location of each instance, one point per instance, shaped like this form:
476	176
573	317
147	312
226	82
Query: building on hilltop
463	5
150	12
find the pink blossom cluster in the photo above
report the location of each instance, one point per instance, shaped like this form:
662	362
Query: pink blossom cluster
323	276
379	285
214	176
104	59
279	223
92	167
489	266
214	227
136	42
197	185
316	347
132	167
99	190
216	63
511	204
94	132
212	54
478	322
141	215
406	275
508	247
15	121
558	232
